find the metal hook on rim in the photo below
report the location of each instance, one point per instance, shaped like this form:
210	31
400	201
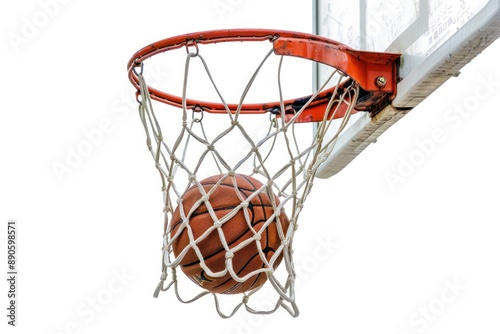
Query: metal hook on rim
137	64
273	120
190	43
200	110
138	97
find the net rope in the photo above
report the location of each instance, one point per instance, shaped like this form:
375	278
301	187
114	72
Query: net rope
192	148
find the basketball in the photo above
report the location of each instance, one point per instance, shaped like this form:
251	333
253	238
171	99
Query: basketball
237	226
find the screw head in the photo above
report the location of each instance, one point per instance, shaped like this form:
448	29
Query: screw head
381	82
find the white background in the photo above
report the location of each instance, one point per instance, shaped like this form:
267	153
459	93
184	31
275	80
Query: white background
397	248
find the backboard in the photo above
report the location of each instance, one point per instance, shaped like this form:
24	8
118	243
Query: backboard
436	38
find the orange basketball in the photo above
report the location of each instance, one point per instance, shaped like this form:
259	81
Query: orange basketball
223	200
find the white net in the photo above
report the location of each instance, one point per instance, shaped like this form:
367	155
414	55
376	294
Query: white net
234	186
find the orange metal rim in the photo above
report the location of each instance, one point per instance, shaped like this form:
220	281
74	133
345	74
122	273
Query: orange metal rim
375	72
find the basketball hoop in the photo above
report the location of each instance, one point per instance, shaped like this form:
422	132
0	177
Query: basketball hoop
217	174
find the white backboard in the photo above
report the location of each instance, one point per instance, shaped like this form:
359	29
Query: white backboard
436	38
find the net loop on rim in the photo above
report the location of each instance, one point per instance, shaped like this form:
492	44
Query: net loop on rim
281	158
